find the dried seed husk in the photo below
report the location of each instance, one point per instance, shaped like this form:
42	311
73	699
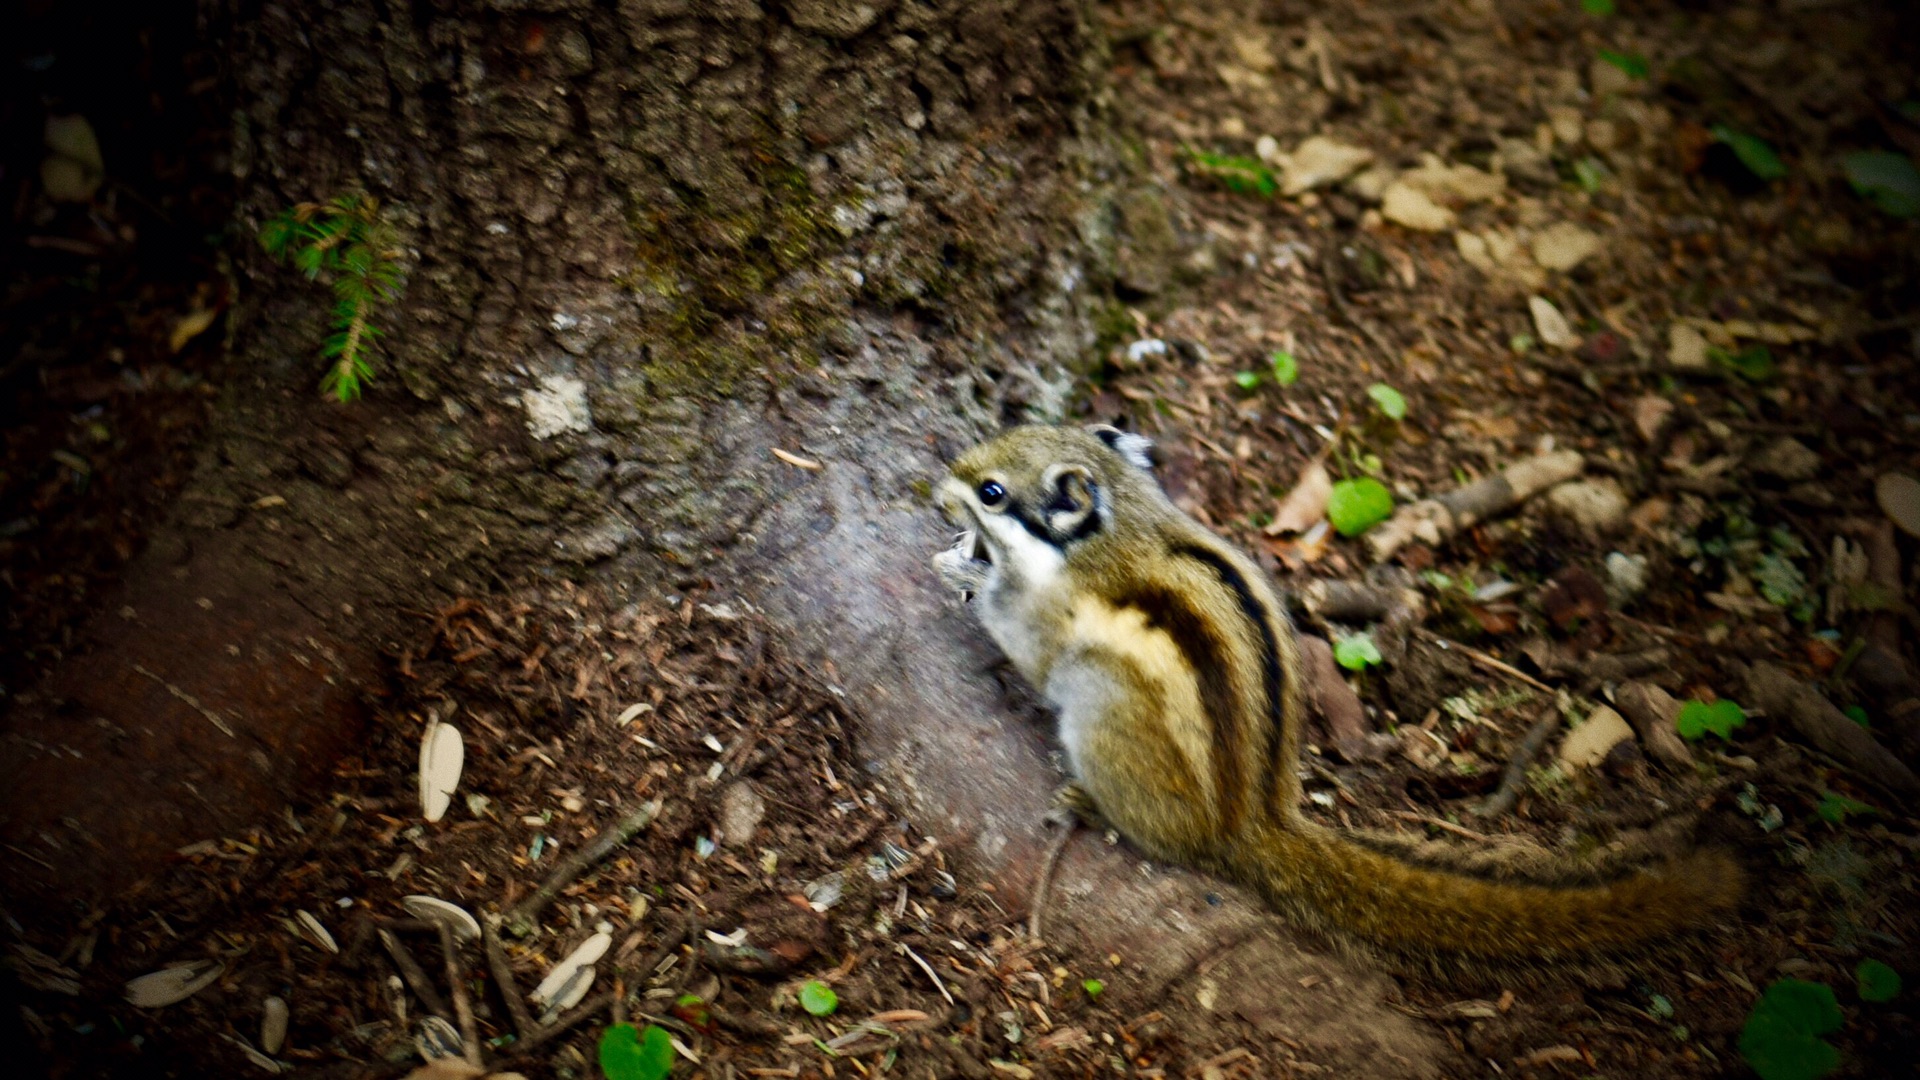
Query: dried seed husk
310	928
435	1038
573	991
563	972
168	985
442	755
274	1015
433	909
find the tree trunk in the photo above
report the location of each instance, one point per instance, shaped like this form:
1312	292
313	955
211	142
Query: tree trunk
646	243
643	244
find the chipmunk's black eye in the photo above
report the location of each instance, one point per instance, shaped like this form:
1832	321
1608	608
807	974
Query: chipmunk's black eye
992	494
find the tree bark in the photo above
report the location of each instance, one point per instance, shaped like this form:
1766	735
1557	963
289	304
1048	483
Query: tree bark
643	244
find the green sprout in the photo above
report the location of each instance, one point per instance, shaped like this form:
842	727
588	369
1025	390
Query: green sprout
344	237
1697	718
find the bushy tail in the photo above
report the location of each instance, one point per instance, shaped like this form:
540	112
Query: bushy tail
1329	881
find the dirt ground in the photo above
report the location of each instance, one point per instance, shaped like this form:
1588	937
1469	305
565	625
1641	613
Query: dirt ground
1728	519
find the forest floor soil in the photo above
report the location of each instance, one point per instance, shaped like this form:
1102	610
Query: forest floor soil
1733	362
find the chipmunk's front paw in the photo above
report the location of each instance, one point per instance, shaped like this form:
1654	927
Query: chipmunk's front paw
1071	802
960	567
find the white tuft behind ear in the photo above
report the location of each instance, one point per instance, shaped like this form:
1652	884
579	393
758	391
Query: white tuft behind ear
1137	449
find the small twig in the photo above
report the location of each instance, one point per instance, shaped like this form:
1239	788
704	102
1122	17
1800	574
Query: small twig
503	979
462	1008
1515	777
1829	730
928	968
592	1006
416	977
1485	660
1045	880
1438	823
520	920
1431	521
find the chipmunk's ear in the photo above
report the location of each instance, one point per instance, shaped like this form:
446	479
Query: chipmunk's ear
1136	449
1073	507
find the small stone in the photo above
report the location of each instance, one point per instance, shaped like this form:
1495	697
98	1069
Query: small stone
741	810
1567	124
1787	459
1650	413
1550	325
1587	745
1597	505
1626	576
1140	351
1232	127
1320	160
1409	206
1563	246
1267	149
1686	348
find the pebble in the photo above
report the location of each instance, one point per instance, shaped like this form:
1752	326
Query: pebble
741	810
1686	348
1788	459
1597	505
1626	576
1140	350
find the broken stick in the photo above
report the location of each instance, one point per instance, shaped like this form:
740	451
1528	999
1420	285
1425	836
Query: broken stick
462	1008
1485	660
1432	521
503	978
1831	731
519	921
1515	777
414	974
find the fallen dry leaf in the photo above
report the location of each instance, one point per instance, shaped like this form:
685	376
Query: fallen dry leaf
1306	505
190	326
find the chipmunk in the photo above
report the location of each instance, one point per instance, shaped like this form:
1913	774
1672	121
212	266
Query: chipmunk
1178	685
